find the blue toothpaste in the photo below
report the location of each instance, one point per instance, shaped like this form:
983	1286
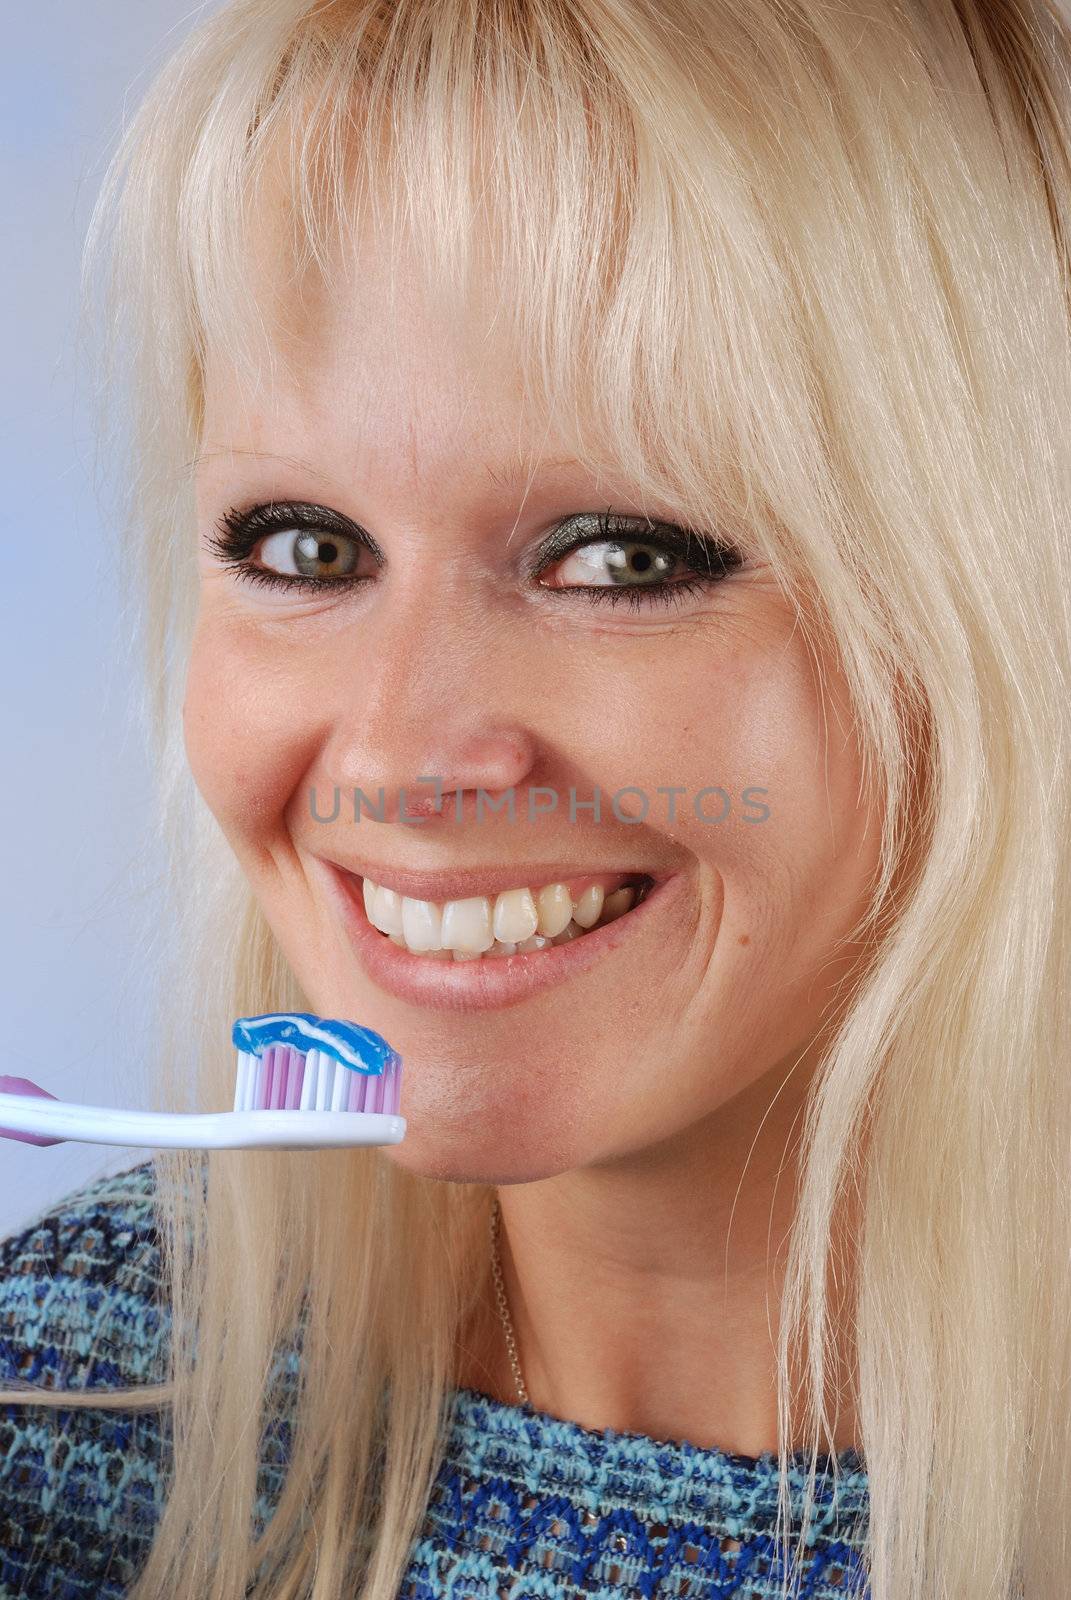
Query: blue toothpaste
357	1048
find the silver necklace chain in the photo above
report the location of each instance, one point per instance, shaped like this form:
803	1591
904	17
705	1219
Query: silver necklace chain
507	1323
503	1305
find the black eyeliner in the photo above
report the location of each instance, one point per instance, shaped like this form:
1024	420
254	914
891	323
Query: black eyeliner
238	532
709	560
709	557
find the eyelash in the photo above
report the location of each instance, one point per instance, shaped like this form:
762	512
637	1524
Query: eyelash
239	532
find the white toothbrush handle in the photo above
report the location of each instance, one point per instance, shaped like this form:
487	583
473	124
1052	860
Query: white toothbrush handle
202	1130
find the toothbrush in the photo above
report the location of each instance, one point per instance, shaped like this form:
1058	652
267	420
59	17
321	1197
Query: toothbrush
303	1083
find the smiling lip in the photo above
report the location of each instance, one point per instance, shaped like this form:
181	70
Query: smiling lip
481	985
472	881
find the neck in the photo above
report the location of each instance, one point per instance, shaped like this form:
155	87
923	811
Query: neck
645	1292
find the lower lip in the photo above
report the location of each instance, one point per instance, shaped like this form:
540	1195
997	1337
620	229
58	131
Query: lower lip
493	980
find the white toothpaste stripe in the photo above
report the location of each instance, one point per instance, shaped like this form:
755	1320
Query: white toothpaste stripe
326	1034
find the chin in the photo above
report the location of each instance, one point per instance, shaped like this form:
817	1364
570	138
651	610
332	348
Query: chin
488	1156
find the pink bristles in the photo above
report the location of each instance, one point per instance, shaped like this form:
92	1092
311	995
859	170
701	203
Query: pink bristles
295	1073
269	1079
280	1073
271	1074
376	1092
286	1068
364	1093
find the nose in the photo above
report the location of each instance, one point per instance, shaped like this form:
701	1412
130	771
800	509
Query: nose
431	708
490	760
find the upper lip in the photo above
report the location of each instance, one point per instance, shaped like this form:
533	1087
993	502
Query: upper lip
465	884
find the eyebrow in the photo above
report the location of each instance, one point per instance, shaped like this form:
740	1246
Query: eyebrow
509	473
519	467
258	455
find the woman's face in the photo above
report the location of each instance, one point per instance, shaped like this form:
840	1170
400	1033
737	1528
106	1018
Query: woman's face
447	648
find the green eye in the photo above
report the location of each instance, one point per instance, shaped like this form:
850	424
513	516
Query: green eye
615	558
613	564
310	555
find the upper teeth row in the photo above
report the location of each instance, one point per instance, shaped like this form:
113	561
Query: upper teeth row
475	925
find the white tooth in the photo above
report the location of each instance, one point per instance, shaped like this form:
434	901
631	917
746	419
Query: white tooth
467	925
616	904
467	955
437	955
586	909
368	889
536	942
422	924
502	947
396	938
516	917
555	909
568	933
385	912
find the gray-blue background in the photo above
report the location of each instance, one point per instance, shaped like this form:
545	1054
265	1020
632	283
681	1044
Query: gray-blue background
79	864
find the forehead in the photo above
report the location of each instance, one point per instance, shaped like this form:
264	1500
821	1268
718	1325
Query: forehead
368	365
368	345
369	375
385	411
372	365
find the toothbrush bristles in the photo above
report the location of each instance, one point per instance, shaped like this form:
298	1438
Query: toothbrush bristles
285	1079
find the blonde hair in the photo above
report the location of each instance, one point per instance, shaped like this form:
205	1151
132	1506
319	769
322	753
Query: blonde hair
806	264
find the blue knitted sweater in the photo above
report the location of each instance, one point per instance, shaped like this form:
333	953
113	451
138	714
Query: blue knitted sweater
525	1506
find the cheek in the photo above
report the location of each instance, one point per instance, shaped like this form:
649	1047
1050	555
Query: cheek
798	880
773	748
642	722
250	726
736	727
